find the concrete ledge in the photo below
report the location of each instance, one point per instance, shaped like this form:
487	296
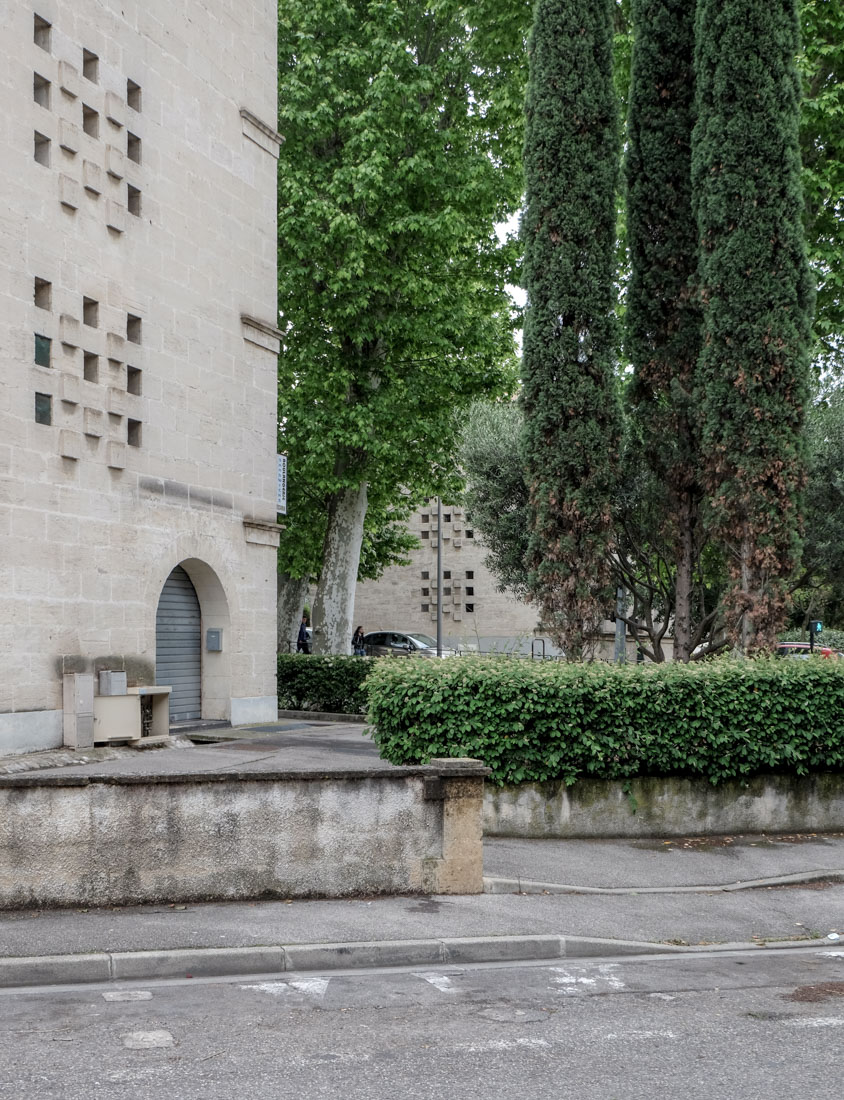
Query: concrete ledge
55	970
324	716
664	807
494	885
502	948
363	955
208	962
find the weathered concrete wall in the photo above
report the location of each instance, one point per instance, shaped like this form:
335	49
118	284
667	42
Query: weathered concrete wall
665	807
123	840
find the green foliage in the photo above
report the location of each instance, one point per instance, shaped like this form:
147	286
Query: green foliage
753	373
331	684
496	495
822	148
531	721
568	230
402	128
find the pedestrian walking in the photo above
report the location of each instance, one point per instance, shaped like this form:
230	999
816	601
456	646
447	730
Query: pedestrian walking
303	644
358	647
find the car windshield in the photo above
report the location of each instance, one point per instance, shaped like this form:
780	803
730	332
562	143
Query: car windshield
424	640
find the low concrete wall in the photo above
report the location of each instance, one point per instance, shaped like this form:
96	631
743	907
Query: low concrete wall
120	840
666	807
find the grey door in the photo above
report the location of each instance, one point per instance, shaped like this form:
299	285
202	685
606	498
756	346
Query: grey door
178	646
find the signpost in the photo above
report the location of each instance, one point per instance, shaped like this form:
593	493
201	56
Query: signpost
815	627
281	485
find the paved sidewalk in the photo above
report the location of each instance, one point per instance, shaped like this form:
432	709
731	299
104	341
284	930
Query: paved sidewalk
267	936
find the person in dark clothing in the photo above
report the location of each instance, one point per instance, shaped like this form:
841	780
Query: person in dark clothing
357	643
303	645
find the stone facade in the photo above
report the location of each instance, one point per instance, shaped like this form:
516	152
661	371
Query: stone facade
137	314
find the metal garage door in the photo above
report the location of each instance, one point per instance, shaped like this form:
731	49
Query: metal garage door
178	646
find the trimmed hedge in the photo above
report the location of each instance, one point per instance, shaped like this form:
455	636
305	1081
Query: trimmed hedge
535	721
330	684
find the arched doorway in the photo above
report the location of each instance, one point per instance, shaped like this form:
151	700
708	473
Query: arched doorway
178	646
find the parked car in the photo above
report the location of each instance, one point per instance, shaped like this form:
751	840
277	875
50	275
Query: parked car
394	643
803	650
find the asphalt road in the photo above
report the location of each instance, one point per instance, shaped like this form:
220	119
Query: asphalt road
741	1026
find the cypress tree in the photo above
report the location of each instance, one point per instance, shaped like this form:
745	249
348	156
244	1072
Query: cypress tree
663	321
754	368
571	413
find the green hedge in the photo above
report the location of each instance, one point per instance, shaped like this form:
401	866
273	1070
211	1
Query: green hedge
536	721
322	683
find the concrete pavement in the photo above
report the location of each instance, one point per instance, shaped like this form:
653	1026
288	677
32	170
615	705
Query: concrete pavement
545	905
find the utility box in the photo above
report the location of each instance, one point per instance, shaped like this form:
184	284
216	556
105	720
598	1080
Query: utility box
214	640
78	710
116	718
155	714
112	683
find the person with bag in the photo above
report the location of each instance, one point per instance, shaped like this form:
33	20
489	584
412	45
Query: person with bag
358	648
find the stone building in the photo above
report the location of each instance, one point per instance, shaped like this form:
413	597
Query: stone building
138	344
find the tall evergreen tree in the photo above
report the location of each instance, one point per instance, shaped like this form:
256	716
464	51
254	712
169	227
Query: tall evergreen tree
663	312
568	228
757	298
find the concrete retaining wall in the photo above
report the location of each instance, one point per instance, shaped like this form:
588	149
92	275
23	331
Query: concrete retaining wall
119	840
666	807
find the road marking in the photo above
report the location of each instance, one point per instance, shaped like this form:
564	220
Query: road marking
311	987
146	1040
439	981
490	1046
816	1021
641	1035
831	954
128	995
572	983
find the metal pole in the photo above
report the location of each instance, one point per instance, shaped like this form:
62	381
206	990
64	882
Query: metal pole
620	627
439	577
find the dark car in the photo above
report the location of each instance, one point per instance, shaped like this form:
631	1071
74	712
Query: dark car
394	643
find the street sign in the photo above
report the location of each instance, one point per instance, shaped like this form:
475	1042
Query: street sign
815	626
281	485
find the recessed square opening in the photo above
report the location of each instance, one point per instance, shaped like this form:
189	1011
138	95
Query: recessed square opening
133	328
42	149
446	591
424	606
133	200
470	534
133	433
425	517
41	90
42	350
133	380
133	95
90	66
470	574
91	367
470	608
43	408
426	592
425	575
446	574
90	121
424	534
90	312
447	517
43	293
42	33
470	590
133	147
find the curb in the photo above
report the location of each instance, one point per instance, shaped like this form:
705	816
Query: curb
325	716
213	962
493	885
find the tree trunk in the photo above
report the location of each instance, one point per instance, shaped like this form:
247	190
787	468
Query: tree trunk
292	592
684	582
334	604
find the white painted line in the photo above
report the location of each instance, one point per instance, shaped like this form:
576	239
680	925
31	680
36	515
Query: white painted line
491	1046
831	954
570	982
439	981
128	995
311	987
147	1040
640	1035
816	1021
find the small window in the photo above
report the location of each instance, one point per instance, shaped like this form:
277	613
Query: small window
470	534
90	367
446	574
446	591
42	149
43	408
425	606
43	293
470	590
425	517
133	380
42	350
133	433
90	121
133	147
426	591
90	312
470	574
470	608
424	534
133	95
425	575
133	328
447	517
90	66
133	200
42	33
41	90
